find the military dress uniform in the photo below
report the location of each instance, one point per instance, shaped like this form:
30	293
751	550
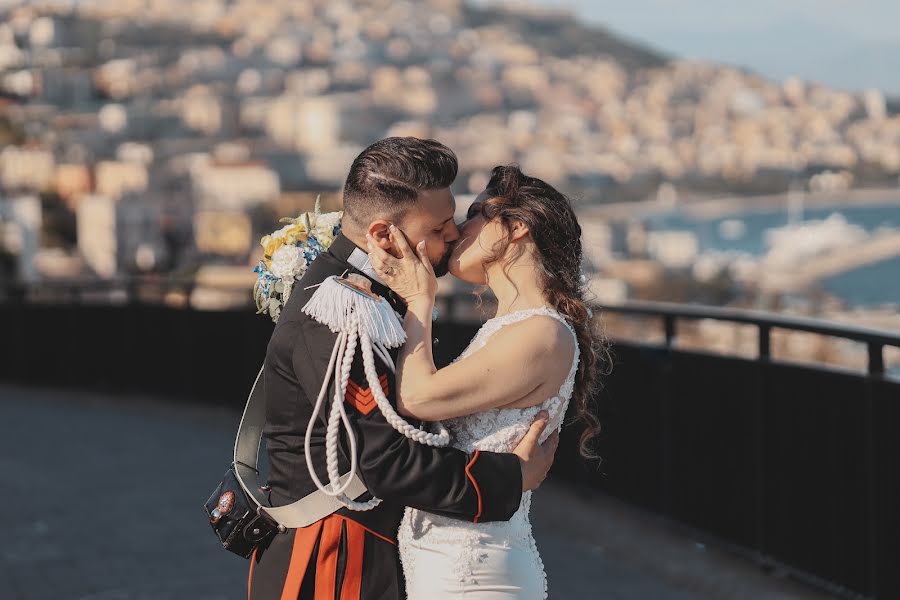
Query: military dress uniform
353	555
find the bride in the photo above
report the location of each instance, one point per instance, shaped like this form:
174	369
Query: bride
522	240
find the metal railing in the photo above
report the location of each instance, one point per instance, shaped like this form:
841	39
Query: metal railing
765	322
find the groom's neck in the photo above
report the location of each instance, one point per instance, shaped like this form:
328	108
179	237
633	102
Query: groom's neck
355	236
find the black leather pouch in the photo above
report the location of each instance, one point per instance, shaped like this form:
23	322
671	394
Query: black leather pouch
234	519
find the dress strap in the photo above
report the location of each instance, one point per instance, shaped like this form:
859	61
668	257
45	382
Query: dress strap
497	323
492	326
521	315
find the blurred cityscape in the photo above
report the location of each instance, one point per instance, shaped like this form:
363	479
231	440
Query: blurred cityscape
156	141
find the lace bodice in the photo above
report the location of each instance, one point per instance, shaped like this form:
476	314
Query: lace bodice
494	430
501	429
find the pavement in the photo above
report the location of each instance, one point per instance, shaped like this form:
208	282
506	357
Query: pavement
103	499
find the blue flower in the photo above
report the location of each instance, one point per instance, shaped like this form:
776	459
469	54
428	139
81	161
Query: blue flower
261	269
314	244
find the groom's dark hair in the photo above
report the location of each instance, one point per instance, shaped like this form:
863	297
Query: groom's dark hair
386	178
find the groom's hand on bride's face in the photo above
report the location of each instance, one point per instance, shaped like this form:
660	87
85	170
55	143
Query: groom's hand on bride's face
536	458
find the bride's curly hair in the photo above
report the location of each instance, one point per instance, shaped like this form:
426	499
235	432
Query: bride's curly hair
550	218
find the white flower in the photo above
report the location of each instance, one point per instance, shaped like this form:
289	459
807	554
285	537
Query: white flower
324	228
287	263
325	237
328	220
282	232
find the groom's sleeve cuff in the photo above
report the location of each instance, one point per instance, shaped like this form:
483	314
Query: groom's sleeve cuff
497	479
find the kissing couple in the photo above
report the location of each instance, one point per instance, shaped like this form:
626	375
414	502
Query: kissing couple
452	520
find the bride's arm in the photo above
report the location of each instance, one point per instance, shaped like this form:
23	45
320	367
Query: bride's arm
518	360
515	363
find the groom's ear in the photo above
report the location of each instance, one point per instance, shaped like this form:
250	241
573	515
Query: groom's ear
380	232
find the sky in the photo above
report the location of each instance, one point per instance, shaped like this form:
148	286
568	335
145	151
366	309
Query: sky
851	44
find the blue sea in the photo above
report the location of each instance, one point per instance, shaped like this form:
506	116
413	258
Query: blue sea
872	285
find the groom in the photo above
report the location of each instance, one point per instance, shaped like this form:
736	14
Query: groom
349	554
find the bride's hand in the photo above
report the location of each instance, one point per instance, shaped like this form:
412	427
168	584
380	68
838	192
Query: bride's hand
411	276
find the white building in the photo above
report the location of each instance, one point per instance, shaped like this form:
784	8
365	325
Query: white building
20	233
120	236
202	110
233	186
96	232
115	178
674	249
596	240
316	124
306	124
26	168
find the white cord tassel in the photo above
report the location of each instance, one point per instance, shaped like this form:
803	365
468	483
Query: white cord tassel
334	302
338	414
357	318
315	415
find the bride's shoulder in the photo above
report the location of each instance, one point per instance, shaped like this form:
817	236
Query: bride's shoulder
539	333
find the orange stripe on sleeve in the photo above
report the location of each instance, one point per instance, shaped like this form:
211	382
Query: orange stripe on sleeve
474	483
304	543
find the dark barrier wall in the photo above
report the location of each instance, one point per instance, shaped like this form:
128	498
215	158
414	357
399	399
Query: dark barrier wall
197	355
795	465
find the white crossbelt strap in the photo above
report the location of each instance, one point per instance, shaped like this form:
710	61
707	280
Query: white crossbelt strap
360	260
303	512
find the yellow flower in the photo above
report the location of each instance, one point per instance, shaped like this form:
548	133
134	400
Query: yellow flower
295	233
302	220
270	245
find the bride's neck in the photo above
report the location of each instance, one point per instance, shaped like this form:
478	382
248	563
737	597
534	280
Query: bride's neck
516	287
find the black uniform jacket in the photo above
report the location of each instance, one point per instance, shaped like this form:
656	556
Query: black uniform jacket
353	554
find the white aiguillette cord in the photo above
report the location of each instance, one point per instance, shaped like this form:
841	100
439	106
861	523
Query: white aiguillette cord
303	512
348	308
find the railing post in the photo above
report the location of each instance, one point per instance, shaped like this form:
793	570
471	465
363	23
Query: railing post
666	402
765	342
876	359
669	325
759	438
871	470
875	373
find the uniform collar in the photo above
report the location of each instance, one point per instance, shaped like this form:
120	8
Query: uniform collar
343	249
360	260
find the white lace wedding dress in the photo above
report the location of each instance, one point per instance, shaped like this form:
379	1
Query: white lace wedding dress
445	558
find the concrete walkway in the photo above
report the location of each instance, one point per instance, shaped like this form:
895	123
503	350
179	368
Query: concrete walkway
104	497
